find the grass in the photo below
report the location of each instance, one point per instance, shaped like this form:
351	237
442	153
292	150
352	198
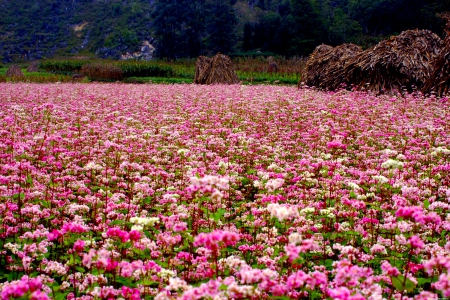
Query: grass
249	70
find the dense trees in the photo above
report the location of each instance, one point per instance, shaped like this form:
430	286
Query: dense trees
290	27
188	28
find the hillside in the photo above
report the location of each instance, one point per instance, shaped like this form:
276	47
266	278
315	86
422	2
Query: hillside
35	29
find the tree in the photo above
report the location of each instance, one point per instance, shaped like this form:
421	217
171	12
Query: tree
342	28
309	30
220	26
178	27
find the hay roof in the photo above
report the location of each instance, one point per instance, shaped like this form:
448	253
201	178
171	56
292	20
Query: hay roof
312	75
330	65
14	71
216	70
33	67
202	64
400	62
439	81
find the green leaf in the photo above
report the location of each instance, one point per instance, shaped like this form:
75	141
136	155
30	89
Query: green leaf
147	282
397	282
219	213
422	281
20	196
126	281
223	287
426	203
80	269
116	222
329	263
61	296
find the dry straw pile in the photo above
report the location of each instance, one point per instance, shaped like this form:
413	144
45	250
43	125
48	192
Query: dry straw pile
402	62
414	60
325	66
33	67
439	81
216	70
14	71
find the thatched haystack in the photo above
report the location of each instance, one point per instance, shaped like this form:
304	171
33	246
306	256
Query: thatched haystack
446	17
439	81
14	71
312	75
402	62
330	66
273	67
33	67
216	70
202	64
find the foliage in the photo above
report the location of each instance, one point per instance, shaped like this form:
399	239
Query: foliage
181	28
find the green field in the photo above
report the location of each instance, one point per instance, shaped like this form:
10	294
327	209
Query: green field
249	71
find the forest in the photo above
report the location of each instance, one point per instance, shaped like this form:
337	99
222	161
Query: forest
187	28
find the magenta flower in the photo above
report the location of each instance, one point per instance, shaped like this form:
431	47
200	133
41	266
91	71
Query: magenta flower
416	242
216	239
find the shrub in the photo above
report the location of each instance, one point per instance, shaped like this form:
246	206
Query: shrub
102	72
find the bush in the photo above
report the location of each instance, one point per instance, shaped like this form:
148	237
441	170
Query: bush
145	69
102	72
63	65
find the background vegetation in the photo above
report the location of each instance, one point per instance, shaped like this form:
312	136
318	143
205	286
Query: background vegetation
183	29
249	70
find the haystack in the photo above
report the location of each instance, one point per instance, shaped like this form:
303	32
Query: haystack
402	62
312	75
202	64
33	67
325	70
216	70
14	71
273	67
439	81
445	16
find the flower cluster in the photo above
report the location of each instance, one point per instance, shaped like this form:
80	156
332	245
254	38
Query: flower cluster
115	191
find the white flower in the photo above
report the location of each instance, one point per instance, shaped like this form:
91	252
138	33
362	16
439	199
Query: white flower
307	210
380	178
282	212
183	152
392	164
353	186
440	150
144	221
274	184
295	238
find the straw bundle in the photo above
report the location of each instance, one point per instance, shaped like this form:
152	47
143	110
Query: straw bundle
202	65
14	71
313	73
273	67
402	62
216	70
439	81
33	67
336	59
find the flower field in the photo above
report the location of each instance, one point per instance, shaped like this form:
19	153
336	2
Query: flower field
112	191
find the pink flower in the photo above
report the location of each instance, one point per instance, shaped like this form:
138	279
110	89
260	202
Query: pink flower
343	293
135	235
78	246
55	234
216	239
116	232
416	242
443	284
